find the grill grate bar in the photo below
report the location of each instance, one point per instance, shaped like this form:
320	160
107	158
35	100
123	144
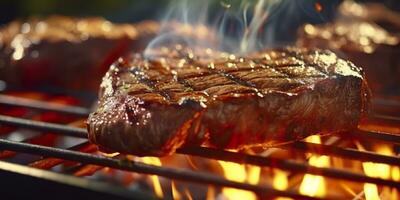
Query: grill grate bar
355	154
178	174
44	126
285	165
49	162
378	135
387	118
233	157
41	105
386	102
310	147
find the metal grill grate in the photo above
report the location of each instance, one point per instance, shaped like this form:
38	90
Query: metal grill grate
86	157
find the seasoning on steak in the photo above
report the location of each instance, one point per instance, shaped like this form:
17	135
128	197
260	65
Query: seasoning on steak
356	36
178	98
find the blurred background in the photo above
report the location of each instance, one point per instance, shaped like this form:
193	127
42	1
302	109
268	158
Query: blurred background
128	11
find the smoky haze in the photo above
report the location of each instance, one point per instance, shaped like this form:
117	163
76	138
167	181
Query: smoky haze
233	26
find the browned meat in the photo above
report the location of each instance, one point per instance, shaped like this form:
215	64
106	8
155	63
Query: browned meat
153	106
357	37
34	52
64	51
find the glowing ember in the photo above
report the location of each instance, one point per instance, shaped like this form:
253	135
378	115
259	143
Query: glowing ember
236	172
156	182
315	185
318	7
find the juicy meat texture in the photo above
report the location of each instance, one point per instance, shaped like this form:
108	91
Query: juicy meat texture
181	98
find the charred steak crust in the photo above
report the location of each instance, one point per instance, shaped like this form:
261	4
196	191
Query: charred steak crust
152	107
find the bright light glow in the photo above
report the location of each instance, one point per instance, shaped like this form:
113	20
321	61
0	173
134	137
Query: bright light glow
280	182
156	182
253	175
175	193
236	172
377	170
313	185
210	193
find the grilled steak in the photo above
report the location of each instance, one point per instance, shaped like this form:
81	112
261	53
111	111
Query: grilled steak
361	40
177	98
34	52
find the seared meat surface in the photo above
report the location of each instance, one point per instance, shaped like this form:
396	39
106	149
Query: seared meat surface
177	97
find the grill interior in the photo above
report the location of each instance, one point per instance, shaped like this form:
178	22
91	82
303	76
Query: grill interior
36	159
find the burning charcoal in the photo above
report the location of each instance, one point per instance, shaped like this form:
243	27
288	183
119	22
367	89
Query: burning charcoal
358	38
187	97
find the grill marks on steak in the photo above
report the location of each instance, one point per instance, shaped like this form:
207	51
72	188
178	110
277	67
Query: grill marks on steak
184	98
246	76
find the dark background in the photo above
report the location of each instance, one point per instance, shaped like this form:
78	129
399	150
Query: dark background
285	22
114	10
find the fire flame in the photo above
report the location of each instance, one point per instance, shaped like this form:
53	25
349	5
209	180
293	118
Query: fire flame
379	170
156	182
313	185
210	193
175	193
280	182
237	172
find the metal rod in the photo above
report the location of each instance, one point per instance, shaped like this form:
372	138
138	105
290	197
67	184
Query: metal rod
178	174
386	102
285	165
355	154
44	126
378	135
47	163
315	148
385	118
42	105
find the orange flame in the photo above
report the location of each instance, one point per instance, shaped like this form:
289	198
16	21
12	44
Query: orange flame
188	195
175	193
280	182
379	170
210	193
237	172
156	182
313	185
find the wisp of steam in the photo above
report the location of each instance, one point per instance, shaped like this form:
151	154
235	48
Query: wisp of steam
233	26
